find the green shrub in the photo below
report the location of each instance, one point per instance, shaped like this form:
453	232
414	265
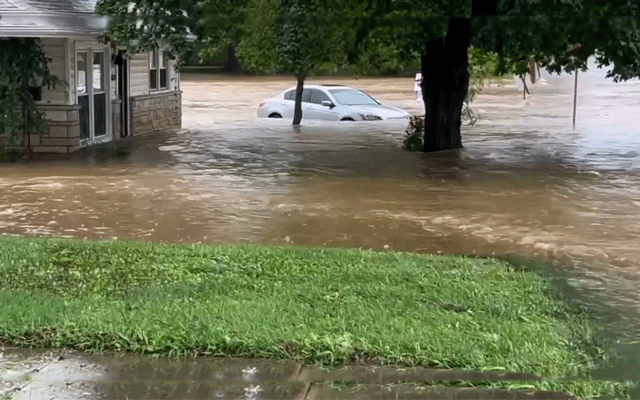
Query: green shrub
414	134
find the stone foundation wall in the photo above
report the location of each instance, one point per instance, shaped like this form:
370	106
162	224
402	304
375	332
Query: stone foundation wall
149	113
156	111
62	134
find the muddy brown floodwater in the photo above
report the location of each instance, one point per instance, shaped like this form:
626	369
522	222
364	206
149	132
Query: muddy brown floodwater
526	184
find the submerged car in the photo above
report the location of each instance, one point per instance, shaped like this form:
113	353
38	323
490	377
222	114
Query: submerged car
330	103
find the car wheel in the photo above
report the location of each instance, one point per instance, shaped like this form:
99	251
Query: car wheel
275	115
347	119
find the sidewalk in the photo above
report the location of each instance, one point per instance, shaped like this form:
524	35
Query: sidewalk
61	375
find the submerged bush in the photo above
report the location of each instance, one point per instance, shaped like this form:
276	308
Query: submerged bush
414	134
9	153
118	151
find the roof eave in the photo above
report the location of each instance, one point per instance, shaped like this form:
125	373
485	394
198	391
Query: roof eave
50	34
80	25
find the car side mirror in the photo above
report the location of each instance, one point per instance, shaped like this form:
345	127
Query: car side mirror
327	103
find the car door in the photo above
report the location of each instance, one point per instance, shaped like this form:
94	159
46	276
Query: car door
306	98
317	111
290	101
288	104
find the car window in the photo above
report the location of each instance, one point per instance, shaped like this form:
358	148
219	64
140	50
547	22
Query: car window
352	97
318	96
306	95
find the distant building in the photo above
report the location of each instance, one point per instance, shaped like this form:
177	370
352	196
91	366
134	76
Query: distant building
417	87
108	96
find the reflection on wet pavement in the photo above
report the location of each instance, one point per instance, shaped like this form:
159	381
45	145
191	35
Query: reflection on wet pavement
40	374
526	183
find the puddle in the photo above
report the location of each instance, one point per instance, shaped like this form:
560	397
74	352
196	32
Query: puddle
42	374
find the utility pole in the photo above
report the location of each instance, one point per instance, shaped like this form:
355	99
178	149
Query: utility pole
576	51
575	97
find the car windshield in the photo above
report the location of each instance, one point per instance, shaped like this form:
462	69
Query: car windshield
352	97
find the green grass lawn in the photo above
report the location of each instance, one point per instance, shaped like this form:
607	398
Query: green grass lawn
317	305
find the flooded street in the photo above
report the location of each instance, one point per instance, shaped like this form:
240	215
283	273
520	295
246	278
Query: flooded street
526	184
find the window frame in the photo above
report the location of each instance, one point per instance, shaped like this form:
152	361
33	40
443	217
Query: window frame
306	95
158	64
322	92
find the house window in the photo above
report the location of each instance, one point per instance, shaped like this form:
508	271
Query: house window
158	71
318	96
36	92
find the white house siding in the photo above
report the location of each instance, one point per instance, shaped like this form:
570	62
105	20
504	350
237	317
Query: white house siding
153	110
54	49
139	70
60	104
174	76
72	71
61	134
139	67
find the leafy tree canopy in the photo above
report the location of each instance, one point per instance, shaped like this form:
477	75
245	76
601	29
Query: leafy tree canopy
293	36
141	25
388	32
518	30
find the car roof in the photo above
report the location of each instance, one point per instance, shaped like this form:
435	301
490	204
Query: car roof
325	86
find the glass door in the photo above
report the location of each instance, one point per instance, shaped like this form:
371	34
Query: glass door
92	93
83	95
99	96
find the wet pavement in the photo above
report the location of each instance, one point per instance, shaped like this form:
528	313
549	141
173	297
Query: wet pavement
526	185
61	375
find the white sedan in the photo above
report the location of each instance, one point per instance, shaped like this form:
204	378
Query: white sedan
330	103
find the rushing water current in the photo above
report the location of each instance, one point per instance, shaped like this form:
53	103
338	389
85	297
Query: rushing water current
526	184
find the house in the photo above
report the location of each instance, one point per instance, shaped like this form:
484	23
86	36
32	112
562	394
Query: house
108	95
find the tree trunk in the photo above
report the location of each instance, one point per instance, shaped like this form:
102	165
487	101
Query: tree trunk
297	111
231	63
445	83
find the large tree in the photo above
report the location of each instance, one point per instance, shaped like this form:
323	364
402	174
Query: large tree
290	36
560	35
